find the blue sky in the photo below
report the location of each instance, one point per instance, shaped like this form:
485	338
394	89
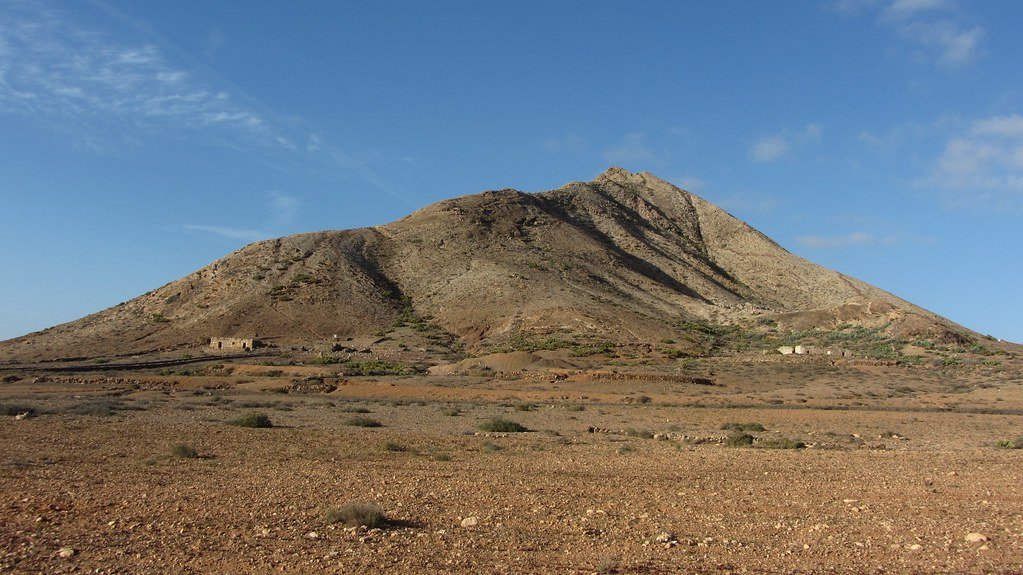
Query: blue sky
140	141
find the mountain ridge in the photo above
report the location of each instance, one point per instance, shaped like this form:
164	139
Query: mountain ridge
624	258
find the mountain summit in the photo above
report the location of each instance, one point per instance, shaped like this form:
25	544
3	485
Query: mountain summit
625	258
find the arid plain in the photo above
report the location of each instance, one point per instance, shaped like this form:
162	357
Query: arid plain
628	469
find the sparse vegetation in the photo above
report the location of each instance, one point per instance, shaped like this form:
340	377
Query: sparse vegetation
159	318
451	411
498	425
373	367
733	426
739	439
781	443
1011	443
393	446
255	419
13	409
605	347
356	514
362	421
184	451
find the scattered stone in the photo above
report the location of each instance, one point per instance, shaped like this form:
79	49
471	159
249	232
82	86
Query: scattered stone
976	538
666	539
915	547
21	416
470	521
66	552
312	535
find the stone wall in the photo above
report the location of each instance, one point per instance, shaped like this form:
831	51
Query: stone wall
233	343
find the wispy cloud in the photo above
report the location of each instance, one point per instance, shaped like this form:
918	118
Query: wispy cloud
903	9
831	242
115	95
281	211
928	31
982	164
632	149
568	142
770	148
283	208
748	202
689	183
55	69
226	232
775	147
945	42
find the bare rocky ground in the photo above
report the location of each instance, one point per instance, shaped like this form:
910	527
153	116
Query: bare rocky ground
626	475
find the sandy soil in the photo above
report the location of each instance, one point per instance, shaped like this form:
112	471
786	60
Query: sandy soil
626	476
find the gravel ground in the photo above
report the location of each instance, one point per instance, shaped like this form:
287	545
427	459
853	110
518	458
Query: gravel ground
586	491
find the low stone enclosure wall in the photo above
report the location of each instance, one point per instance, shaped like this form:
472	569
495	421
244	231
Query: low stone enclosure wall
233	343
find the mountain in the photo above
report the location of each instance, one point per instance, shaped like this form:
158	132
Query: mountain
626	258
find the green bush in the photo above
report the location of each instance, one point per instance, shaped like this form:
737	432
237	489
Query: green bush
1011	443
254	419
502	426
739	439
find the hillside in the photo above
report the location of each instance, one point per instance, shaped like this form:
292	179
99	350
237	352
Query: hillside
626	258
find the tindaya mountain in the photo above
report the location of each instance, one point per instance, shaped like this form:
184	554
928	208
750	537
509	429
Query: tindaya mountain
626	259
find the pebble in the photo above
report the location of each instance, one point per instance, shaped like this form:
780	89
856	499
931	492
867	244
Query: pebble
976	538
470	521
915	547
664	537
66	552
312	535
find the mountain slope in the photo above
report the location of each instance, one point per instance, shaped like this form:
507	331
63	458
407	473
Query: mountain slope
627	258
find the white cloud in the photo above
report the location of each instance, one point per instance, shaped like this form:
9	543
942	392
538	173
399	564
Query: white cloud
689	183
770	148
901	9
82	81
567	143
747	202
105	94
632	149
1004	126
777	146
983	164
231	233
283	208
945	42
829	242
928	31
